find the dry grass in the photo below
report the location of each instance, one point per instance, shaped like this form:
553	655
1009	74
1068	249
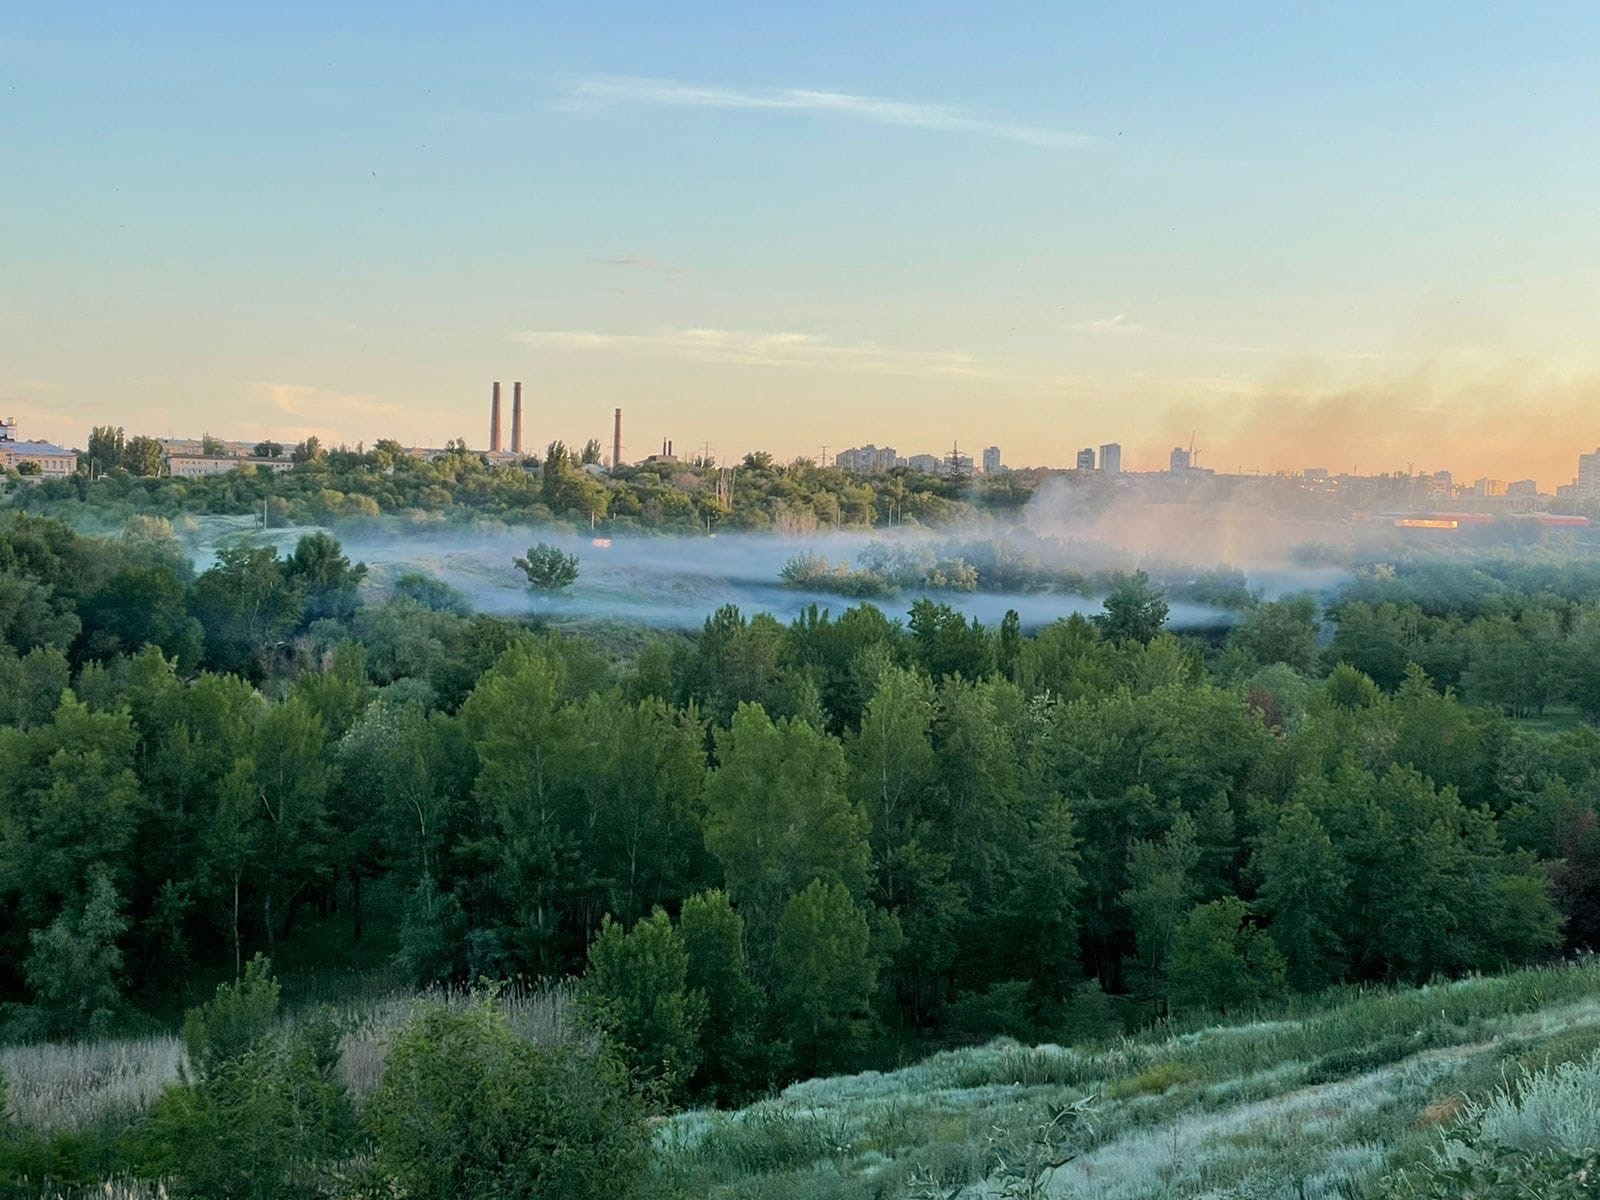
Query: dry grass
72	1085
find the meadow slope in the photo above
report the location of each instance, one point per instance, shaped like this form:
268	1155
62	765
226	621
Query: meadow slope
1328	1099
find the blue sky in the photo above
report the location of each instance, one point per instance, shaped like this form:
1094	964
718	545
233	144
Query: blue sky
1315	233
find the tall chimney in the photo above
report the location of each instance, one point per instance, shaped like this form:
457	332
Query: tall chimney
494	420
616	442
516	417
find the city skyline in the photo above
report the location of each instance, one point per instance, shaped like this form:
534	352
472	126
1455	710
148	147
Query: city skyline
1360	239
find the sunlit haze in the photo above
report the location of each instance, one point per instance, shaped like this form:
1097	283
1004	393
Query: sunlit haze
1349	236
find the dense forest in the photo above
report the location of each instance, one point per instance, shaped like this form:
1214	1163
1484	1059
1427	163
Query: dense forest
769	850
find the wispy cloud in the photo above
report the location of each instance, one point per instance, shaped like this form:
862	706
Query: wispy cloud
943	118
791	350
303	400
1117	326
641	262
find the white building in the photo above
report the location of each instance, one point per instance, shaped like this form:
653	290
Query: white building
1589	476
1111	458
192	466
927	464
867	459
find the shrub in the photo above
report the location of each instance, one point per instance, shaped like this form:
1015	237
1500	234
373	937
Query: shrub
234	1021
468	1111
269	1122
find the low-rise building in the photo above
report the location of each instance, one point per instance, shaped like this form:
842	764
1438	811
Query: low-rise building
193	466
51	461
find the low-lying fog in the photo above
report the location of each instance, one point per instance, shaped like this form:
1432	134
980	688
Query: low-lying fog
676	581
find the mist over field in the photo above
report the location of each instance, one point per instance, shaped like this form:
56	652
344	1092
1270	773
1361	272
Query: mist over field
676	581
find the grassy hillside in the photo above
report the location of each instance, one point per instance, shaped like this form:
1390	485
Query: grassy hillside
1351	1097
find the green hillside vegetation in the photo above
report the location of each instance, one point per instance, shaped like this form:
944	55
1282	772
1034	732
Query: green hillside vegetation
1482	1088
766	853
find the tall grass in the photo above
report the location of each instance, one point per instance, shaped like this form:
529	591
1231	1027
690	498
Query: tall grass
64	1086
74	1085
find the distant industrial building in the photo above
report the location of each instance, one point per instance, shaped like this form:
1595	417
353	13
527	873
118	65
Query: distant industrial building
991	461
868	459
51	461
1086	459
1111	458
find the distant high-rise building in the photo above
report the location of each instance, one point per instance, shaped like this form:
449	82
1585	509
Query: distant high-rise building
867	459
1589	476
1179	461
1086	459
1522	487
991	461
927	464
1111	458
1316	474
1488	487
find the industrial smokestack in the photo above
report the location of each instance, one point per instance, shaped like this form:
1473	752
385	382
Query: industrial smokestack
616	442
516	417
494	420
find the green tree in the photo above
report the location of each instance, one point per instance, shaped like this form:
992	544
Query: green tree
824	976
1134	610
1221	961
308	451
469	1111
143	456
106	447
548	568
1280	631
1302	882
1161	888
326	580
730	1047
777	816
636	992
433	935
74	967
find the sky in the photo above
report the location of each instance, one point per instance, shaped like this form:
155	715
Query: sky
1357	235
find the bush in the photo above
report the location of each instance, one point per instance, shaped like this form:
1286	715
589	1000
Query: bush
270	1122
234	1021
468	1111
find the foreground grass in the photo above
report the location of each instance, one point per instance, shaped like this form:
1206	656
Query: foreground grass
1349	1095
1326	1101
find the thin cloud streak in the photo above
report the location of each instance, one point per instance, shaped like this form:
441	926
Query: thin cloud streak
943	118
1117	326
790	350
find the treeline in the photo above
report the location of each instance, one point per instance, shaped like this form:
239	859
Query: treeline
332	485
1520	634
846	830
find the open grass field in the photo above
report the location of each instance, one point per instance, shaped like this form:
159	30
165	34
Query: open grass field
1320	1100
